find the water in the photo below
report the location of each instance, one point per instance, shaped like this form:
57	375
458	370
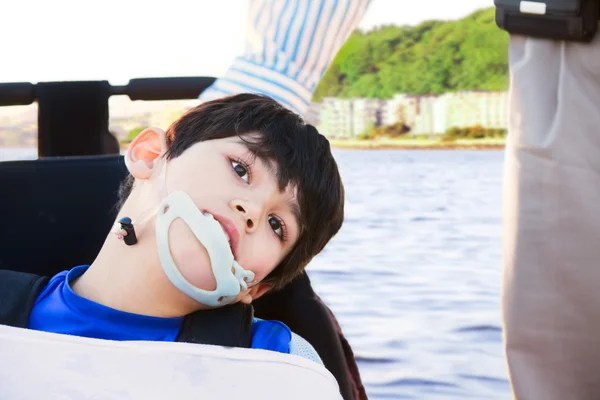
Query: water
414	274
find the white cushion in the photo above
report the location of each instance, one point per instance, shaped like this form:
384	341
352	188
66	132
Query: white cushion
41	365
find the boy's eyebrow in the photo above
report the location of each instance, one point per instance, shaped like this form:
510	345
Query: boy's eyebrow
254	151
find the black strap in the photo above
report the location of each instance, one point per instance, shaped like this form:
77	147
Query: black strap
18	292
229	326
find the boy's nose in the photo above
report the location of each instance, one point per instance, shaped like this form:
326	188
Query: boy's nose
249	212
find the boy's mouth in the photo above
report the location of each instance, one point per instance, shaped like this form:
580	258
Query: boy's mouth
225	232
231	232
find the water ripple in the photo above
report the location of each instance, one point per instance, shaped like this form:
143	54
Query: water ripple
480	328
420	382
374	360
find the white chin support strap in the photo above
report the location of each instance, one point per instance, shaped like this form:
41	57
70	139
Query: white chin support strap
231	278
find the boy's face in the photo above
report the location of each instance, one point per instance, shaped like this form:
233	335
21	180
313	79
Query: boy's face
241	192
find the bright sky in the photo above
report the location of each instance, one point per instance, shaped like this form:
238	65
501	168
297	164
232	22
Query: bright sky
48	40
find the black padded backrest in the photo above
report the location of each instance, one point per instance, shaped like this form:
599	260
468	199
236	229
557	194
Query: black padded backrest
56	212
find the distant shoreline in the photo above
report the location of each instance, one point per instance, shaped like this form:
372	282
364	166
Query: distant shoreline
418	144
379	144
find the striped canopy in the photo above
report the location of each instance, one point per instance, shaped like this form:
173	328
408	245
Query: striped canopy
289	45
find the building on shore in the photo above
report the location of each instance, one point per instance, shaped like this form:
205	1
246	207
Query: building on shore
423	115
475	108
366	114
336	118
349	118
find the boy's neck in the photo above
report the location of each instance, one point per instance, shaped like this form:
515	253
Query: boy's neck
130	279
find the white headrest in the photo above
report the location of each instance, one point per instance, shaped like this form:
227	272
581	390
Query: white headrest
40	365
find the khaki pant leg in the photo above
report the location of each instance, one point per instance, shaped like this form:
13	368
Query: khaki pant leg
551	227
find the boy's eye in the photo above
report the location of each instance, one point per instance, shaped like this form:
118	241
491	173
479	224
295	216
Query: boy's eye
276	226
241	170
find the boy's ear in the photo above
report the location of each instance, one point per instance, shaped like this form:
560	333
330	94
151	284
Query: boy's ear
143	151
255	292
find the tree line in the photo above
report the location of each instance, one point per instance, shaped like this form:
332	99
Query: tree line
431	58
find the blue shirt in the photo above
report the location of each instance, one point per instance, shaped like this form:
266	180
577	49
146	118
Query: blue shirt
59	309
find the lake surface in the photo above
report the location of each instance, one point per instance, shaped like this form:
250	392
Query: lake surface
414	274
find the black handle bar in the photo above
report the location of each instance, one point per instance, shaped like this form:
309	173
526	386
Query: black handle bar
16	94
24	93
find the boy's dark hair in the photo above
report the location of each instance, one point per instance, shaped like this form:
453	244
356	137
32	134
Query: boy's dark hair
303	158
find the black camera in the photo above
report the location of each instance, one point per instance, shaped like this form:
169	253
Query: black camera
571	20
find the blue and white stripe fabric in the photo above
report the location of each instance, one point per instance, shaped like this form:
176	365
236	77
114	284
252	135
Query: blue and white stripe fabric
289	45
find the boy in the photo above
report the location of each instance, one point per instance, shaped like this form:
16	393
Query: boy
268	179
